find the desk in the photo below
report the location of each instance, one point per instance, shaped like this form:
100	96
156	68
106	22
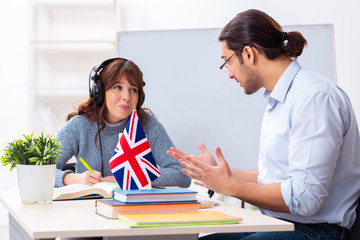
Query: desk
78	219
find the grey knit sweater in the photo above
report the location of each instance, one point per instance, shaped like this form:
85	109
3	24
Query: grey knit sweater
77	139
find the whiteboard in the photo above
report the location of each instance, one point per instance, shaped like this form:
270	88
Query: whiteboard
194	100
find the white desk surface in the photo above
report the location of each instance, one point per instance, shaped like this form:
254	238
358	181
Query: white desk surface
78	219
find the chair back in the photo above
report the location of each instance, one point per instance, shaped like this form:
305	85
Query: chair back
354	233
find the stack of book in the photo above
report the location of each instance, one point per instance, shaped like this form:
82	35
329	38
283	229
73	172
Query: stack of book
148	201
159	207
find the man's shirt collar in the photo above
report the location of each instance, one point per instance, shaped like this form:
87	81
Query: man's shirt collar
283	84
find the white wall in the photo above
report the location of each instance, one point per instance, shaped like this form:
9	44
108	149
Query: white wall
13	77
164	14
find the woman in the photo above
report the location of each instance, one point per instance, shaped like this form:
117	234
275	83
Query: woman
92	131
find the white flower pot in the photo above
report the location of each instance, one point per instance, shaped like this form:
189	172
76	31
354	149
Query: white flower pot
36	183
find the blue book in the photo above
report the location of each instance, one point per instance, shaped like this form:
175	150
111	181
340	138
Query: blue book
155	195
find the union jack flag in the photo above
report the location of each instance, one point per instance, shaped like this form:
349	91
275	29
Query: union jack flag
132	162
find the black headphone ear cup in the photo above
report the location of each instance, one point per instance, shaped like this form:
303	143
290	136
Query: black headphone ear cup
91	84
91	92
101	96
143	99
141	102
97	93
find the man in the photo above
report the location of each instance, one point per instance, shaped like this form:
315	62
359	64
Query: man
309	159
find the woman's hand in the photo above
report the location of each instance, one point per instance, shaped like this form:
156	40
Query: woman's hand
109	179
88	178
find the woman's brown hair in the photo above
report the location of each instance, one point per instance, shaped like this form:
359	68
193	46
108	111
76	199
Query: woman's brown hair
256	29
109	76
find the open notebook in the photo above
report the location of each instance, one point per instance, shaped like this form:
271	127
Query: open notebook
77	191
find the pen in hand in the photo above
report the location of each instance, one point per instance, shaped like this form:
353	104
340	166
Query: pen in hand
85	164
210	193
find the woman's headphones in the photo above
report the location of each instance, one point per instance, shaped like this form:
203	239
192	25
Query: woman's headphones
96	87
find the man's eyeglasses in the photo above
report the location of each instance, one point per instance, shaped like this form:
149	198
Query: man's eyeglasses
225	66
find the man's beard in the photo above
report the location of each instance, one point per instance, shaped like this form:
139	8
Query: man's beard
253	81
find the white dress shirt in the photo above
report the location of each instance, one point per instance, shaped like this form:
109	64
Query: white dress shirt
310	143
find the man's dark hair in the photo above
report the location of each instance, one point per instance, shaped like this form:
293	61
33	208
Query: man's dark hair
256	29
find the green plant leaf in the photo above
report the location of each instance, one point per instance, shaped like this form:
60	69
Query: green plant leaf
30	150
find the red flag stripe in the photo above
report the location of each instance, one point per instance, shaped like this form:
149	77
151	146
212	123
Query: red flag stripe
132	125
150	166
129	155
128	180
128	152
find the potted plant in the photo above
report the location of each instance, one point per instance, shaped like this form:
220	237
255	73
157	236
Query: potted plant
35	160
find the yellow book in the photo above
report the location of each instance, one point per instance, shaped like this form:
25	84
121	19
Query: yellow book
199	217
